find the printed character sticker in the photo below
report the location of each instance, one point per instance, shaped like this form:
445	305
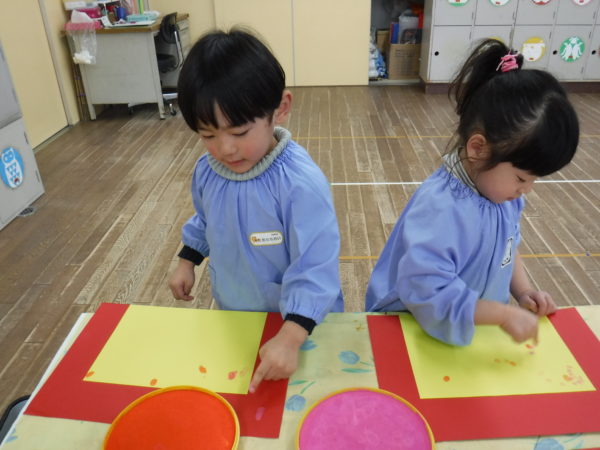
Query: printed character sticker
533	49
581	2
541	2
507	258
572	49
11	167
499	2
458	2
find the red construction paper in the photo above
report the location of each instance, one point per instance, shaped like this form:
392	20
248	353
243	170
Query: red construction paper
453	419
66	395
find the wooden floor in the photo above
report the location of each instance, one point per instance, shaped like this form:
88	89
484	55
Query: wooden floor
117	192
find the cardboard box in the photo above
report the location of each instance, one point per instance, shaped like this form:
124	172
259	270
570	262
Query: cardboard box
403	61
382	41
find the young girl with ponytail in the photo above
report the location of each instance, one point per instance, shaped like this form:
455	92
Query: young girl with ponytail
452	258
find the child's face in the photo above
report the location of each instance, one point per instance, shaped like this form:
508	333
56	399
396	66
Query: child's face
238	148
504	182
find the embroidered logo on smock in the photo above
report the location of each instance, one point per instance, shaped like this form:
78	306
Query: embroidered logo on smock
507	258
266	238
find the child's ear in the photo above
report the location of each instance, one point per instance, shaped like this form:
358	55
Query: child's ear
283	110
477	148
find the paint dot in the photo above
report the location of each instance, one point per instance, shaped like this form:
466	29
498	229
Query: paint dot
349	357
548	444
512	363
202	369
308	345
567	377
446	378
231	375
295	403
153	382
496	360
89	374
529	346
260	412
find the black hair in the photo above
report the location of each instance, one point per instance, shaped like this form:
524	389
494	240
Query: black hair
232	70
524	115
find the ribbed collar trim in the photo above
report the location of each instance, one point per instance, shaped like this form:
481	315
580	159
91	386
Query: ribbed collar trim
282	136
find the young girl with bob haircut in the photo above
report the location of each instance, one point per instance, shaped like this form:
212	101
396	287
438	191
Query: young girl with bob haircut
264	211
452	258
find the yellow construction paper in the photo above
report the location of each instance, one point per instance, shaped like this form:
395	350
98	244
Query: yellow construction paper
493	364
160	347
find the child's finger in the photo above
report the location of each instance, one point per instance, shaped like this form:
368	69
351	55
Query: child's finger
260	373
535	335
529	304
543	307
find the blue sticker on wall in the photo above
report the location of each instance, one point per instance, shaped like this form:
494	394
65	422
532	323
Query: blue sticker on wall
11	167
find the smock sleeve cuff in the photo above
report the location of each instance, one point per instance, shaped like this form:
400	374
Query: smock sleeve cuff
304	322
191	255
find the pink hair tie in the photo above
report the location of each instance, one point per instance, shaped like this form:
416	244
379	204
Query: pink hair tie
508	63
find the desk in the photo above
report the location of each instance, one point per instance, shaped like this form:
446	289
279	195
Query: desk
126	70
317	376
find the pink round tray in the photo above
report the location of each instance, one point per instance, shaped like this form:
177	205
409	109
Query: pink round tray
363	418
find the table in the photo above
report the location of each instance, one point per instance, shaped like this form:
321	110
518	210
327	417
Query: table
342	334
126	69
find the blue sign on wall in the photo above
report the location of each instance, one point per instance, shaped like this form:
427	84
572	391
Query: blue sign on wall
11	167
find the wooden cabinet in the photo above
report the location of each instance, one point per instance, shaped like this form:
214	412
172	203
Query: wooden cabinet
577	12
318	43
561	36
531	13
453	13
592	67
495	12
534	41
569	53
447	49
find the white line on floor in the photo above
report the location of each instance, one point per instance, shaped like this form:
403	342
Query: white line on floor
382	183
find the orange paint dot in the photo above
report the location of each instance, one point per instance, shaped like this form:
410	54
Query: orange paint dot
89	374
231	375
446	378
153	382
496	360
529	346
202	369
512	363
567	377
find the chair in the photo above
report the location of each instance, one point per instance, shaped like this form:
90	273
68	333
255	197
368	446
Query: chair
10	414
168	35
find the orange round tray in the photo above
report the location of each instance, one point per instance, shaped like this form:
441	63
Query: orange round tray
177	418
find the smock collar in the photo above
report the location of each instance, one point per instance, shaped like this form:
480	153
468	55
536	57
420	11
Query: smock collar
281	135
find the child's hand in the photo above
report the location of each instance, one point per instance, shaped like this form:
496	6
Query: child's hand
539	302
521	324
279	355
182	280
